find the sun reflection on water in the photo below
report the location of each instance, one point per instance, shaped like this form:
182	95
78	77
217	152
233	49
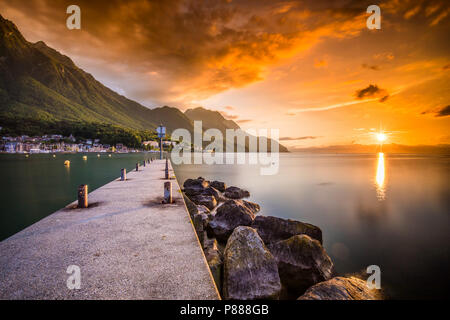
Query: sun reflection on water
380	177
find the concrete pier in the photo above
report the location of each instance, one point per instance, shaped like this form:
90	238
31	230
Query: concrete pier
128	244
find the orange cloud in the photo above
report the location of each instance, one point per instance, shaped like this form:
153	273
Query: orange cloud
192	50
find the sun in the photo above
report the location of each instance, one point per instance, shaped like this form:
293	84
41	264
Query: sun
381	137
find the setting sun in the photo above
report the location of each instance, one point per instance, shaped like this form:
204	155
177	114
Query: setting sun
381	137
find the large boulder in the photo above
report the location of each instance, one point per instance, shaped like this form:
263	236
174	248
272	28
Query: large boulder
236	193
208	201
302	262
193	187
273	229
200	222
341	288
229	215
210	191
221	186
250	270
192	208
215	260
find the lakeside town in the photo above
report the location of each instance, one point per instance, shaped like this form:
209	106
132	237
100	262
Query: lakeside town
57	143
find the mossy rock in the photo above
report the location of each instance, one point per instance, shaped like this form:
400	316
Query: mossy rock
302	262
250	270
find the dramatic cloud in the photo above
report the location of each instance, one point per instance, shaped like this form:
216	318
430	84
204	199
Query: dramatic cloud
301	66
372	91
445	111
188	50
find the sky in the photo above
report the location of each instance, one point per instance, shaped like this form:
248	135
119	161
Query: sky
311	69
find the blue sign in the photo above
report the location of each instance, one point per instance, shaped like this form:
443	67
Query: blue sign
161	131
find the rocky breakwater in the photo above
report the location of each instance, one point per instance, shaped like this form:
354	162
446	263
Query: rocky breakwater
262	257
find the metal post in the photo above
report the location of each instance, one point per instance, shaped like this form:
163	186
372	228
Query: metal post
137	166
166	171
168	192
123	174
144	163
160	148
83	196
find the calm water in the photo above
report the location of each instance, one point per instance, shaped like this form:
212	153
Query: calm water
37	186
392	211
388	210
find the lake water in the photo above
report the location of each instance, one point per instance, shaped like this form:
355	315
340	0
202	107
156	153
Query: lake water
386	210
41	184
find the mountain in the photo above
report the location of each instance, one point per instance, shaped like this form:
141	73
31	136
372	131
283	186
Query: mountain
38	82
211	119
214	119
43	91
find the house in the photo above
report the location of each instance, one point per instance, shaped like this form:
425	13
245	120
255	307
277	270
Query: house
12	147
151	144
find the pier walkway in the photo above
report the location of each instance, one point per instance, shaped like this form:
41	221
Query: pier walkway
127	245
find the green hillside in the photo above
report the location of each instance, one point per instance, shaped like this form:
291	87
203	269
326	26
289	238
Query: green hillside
39	83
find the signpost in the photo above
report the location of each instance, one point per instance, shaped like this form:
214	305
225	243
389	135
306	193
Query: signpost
161	131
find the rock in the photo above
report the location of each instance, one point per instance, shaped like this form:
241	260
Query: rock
221	186
200	222
192	208
252	206
208	201
302	262
202	209
210	191
215	260
196	182
193	187
236	193
250	270
231	214
273	229
341	288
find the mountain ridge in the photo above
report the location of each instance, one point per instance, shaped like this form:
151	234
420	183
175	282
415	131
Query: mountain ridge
212	119
40	84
